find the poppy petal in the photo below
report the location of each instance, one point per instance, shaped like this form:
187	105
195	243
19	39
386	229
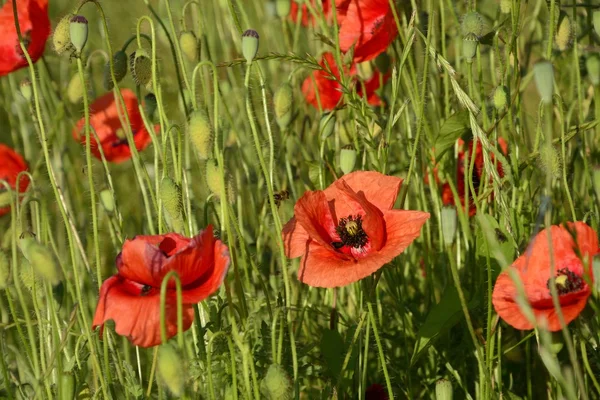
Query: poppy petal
212	275
141	260
312	212
295	239
379	189
503	299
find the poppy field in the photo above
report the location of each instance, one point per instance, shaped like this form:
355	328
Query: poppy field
299	199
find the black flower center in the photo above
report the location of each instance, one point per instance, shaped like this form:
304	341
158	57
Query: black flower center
145	290
566	281
351	233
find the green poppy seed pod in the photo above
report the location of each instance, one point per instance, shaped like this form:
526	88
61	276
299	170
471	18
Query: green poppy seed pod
283	8
189	45
592	64
250	45
170	194
383	62
448	224
326	125
213	177
276	385
200	132
543	73
78	31
472	22
505	6
68	385
284	100
443	390
120	61
469	48
140	66
41	259
75	89
26	89
564	32
347	159
150	105
596	21
61	38
4	270
170	369
107	201
500	97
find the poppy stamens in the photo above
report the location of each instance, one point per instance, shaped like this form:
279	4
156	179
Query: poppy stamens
145	290
567	281
351	233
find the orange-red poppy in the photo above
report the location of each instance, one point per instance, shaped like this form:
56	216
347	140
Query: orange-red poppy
105	119
35	29
330	91
573	248
349	230
302	13
461	174
11	164
368	25
131	298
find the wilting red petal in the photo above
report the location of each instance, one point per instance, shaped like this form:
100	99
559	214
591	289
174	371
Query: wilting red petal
35	29
295	239
11	164
137	316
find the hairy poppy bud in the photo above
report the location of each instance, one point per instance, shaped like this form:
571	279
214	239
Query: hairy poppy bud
347	159
75	89
284	99
550	161
213	177
443	390
26	89
564	32
67	386
543	73
250	44
61	39
500	97
596	21
150	105
107	201
120	69
41	259
170	194
505	6
276	385
592	64
189	45
140	65
201	134
469	49
283	8
78	30
4	270
170	369
326	125
472	22
448	224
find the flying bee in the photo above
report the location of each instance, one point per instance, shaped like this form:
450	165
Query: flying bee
281	196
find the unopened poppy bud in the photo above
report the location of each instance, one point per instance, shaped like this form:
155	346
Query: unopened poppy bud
170	194
365	70
472	22
189	45
250	44
201	134
170	369
469	48
27	276
564	32
543	73
596	21
448	224
505	6
140	65
326	125
383	62
4	270
75	89
61	39
67	386
284	99
500	97
443	390
26	89
150	105
347	159
213	177
41	259
107	201
592	64
283	8
78	30
550	161
276	385
120	69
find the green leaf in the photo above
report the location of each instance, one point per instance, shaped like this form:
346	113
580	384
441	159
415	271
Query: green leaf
332	349
453	128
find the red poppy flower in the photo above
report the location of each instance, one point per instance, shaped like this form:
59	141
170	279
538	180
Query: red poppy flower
368	25
349	230
376	392
302	13
35	28
11	164
132	297
105	120
572	248
447	196
330	91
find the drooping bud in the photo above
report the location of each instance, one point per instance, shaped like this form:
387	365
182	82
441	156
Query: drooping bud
250	45
140	65
189	45
150	105
443	390
170	194
61	39
448	224
41	259
200	132
78	30
26	89
347	159
284	99
4	270
75	89
469	48
592	64
472	22
120	69
564	32
170	369
326	125
213	177
283	8
500	97
107	201
543	73
276	385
